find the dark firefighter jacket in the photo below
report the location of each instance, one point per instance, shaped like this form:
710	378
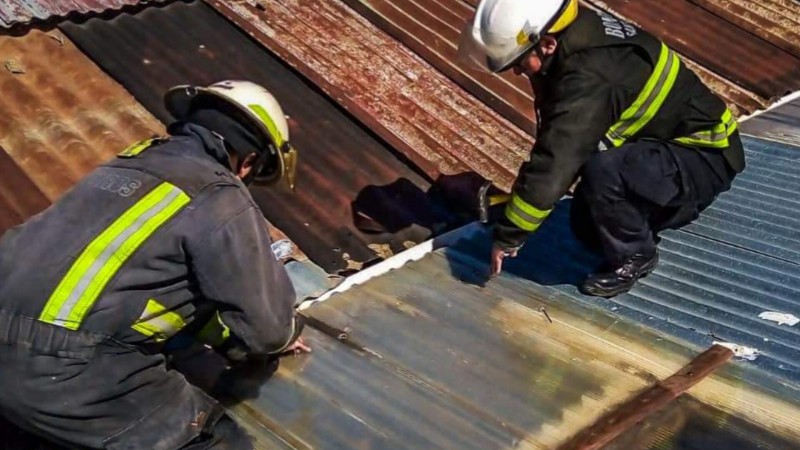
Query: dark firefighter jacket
161	240
609	83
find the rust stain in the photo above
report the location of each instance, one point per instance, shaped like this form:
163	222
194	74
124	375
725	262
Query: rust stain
737	54
776	21
14	12
419	111
432	30
63	116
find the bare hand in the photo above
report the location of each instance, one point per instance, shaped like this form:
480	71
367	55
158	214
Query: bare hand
498	255
299	346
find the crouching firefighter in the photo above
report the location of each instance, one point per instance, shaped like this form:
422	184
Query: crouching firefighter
163	239
651	145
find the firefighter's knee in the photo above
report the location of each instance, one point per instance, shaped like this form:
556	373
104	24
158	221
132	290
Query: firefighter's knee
600	178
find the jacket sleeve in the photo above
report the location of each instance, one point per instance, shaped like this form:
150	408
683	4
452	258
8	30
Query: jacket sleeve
237	270
575	116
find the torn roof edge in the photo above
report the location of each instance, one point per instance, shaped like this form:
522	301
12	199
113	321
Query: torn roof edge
786	99
397	261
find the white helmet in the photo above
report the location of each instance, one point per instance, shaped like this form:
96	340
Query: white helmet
259	107
505	30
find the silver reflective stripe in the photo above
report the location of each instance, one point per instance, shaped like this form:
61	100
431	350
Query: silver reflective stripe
622	129
62	318
525	216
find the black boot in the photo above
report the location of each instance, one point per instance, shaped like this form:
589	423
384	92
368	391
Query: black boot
620	280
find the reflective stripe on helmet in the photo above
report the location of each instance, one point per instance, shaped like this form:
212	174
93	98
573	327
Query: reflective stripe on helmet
262	114
649	100
525	215
80	288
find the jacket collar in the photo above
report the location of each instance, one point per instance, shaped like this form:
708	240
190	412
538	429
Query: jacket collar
211	144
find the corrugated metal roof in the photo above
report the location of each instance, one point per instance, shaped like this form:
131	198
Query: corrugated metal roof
736	53
19	197
13	12
776	21
780	124
421	358
690	425
340	163
61	117
420	112
431	29
717	275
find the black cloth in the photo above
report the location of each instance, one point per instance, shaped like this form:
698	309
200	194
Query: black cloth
238	138
629	194
600	66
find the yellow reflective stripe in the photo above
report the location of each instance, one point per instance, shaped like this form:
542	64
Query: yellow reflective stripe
215	332
525	215
77	292
158	322
650	99
137	148
269	123
716	137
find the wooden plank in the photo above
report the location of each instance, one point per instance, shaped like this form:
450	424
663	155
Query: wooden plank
648	402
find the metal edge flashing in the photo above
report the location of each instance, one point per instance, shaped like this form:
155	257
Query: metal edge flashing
778	103
397	261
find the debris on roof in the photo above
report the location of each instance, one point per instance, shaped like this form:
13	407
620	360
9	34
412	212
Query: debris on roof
408	103
343	170
13	12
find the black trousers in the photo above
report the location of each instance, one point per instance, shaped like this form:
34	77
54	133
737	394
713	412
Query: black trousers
82	390
629	194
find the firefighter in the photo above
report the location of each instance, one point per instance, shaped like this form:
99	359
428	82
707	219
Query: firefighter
162	240
649	143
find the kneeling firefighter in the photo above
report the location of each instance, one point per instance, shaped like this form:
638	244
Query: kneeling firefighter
617	109
165	239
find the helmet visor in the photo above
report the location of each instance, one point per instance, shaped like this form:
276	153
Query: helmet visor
481	50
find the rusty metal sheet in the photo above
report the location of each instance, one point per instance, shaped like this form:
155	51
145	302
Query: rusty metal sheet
776	21
343	168
432	30
427	357
13	12
19	197
408	103
60	115
717	44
